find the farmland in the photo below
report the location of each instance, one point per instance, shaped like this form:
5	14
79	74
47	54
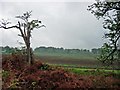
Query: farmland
66	56
76	70
79	66
72	61
69	61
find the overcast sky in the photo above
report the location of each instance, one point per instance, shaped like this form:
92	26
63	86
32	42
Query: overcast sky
68	24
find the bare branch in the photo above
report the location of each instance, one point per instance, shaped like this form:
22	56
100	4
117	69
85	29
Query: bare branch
9	27
4	23
20	35
25	16
41	26
24	30
21	31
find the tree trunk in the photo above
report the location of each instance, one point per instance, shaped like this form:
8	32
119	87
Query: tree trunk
31	56
119	54
28	56
119	58
29	50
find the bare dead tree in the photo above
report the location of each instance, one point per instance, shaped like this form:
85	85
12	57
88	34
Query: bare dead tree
25	26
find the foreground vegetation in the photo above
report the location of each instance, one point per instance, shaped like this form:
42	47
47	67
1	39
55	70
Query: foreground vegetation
17	73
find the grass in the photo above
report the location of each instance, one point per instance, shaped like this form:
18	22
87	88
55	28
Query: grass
73	66
89	70
102	72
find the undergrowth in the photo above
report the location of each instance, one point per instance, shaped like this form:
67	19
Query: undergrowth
17	73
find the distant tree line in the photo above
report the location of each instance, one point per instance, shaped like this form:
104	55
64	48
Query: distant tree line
58	50
69	51
9	50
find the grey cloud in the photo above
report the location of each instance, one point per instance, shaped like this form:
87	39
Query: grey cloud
68	24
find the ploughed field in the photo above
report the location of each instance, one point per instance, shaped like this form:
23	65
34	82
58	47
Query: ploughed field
77	62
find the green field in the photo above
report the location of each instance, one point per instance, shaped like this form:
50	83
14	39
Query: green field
87	71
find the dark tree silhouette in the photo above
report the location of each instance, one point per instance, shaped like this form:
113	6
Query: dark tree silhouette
25	26
110	12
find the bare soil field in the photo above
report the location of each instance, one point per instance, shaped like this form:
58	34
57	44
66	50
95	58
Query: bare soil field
69	61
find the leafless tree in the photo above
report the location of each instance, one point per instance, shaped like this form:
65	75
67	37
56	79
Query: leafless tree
25	26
